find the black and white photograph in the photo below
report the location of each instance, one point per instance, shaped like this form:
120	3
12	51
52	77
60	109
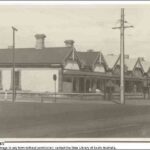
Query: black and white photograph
75	71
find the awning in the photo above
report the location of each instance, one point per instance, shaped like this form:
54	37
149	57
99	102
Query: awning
79	73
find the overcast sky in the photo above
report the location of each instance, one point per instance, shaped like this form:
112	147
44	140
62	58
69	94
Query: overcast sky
89	26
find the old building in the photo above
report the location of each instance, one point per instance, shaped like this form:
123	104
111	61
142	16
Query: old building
76	71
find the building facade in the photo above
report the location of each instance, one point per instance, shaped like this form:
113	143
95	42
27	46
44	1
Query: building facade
76	71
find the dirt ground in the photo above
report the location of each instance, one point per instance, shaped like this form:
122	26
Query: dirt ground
73	120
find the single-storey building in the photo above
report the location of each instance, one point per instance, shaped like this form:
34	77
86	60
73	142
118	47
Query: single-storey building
76	71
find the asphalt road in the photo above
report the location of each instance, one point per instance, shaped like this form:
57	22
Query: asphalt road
73	120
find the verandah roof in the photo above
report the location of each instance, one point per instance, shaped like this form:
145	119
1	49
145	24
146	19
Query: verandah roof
78	73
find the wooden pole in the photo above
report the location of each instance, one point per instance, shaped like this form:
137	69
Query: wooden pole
122	95
13	68
122	62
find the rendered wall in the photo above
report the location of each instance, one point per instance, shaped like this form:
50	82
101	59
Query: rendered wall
32	79
72	65
39	80
99	68
6	79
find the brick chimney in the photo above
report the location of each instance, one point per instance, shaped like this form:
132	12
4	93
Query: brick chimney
69	43
40	41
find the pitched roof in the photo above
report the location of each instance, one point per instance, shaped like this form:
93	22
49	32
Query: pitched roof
111	59
88	58
146	65
130	63
51	55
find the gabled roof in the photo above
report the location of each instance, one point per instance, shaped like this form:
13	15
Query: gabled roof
88	58
51	55
146	65
130	63
111	60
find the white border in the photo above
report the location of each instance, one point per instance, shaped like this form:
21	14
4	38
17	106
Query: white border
59	3
141	140
74	2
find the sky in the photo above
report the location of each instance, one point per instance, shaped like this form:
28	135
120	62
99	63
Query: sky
90	26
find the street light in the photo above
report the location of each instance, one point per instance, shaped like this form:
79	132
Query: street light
13	67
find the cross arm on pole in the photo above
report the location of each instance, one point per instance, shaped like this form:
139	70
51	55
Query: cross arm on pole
129	27
14	28
116	27
124	27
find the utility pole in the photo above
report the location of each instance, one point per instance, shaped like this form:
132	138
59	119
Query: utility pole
13	68
122	49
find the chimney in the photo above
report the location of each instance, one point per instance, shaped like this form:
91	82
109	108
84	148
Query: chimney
69	43
40	41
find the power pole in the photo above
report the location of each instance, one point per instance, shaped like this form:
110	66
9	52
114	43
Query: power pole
13	68
122	48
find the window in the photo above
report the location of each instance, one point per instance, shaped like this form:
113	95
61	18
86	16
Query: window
17	80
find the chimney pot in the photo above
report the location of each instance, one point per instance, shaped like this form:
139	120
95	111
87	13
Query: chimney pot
69	43
40	44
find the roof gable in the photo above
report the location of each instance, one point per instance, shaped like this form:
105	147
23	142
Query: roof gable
130	63
100	63
100	59
138	65
88	58
145	65
72	61
111	60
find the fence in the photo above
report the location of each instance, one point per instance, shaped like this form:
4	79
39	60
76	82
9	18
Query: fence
50	97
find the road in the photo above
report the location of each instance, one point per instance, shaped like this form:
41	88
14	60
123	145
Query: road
73	120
